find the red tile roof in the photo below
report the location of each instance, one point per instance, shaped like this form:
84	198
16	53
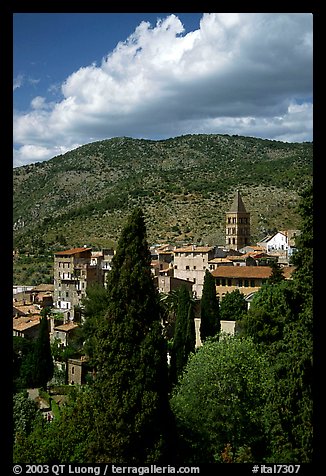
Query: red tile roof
73	251
250	272
23	323
66	327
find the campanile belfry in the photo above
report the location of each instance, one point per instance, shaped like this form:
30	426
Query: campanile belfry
237	225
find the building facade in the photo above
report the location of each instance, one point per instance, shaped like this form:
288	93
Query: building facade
73	272
247	279
190	264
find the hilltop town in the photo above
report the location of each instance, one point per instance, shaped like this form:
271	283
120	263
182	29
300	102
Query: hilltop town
237	264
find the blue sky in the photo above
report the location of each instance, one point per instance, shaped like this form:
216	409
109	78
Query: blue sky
82	77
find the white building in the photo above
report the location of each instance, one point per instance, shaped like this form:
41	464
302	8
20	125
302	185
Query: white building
280	243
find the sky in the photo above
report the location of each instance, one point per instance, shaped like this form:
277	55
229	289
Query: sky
83	77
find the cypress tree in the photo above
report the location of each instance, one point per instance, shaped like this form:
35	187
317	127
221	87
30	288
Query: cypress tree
42	358
131	386
210	321
184	334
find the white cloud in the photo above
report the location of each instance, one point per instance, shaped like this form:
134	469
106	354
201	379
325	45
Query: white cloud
238	73
18	81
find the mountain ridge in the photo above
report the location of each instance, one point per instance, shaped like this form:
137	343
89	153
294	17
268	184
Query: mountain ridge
184	184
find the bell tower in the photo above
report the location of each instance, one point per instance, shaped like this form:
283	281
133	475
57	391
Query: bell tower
237	227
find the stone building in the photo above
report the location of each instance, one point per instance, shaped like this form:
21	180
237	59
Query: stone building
73	272
237	226
190	264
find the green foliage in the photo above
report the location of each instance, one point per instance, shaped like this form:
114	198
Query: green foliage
42	362
209	309
277	274
184	339
271	307
303	258
233	306
220	400
22	373
281	316
130	358
24	413
95	306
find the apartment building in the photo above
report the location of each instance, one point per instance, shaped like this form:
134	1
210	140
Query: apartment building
190	264
73	272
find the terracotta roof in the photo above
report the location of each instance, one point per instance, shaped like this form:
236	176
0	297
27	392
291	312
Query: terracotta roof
249	272
23	323
191	248
66	327
237	258
219	260
27	308
73	251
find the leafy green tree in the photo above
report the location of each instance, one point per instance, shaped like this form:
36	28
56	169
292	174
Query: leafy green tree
209	309
220	399
277	274
68	438
280	320
271	307
130	358
25	411
184	339
289	417
233	306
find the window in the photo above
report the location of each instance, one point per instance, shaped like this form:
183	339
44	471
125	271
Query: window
252	283
217	281
246	283
229	220
194	267
72	370
233	241
187	267
223	282
229	282
67	294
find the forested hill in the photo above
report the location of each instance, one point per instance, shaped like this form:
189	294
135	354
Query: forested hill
184	184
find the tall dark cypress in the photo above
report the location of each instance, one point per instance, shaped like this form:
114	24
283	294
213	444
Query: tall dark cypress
131	358
42	358
210	319
184	334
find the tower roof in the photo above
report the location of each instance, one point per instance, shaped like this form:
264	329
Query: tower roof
237	204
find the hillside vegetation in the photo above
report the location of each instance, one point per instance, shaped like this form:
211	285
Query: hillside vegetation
184	185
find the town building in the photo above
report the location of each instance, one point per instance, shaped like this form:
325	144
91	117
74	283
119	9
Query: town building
73	272
191	263
26	326
247	279
280	244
